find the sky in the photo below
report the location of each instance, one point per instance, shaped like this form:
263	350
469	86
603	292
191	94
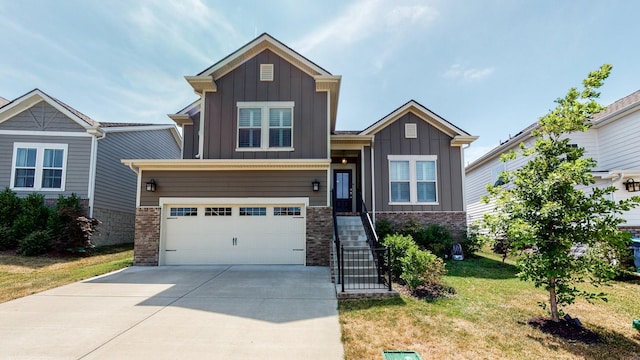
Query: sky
490	67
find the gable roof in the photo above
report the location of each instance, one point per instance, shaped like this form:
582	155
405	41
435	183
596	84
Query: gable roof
613	112
35	96
459	136
3	101
206	79
256	46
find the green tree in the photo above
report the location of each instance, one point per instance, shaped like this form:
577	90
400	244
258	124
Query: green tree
545	213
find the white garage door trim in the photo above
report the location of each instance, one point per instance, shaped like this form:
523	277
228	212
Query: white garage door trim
167	203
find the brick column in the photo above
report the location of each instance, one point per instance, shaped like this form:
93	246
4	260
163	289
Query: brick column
319	235
147	238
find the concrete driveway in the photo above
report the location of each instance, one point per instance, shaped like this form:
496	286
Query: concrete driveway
182	312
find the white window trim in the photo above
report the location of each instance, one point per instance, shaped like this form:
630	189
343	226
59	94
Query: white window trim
37	182
264	131
413	183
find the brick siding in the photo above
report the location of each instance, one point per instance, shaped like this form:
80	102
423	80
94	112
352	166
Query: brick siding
116	227
147	236
455	221
319	235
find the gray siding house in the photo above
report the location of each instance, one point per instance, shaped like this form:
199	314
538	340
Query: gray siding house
263	167
612	141
48	147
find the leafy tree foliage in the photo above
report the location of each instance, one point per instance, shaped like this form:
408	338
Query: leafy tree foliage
545	213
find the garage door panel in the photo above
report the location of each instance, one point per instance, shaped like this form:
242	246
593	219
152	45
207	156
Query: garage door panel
240	234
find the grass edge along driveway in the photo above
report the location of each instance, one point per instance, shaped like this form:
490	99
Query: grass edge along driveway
21	275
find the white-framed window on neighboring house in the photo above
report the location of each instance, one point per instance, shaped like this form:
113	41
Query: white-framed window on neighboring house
413	179
38	166
265	126
495	175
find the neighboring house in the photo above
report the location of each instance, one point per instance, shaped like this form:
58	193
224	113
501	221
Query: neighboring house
47	147
612	141
3	101
261	157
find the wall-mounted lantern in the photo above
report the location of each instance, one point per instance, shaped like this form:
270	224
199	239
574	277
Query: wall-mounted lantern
151	185
316	185
632	186
344	161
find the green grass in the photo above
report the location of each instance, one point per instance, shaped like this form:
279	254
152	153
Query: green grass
21	275
488	319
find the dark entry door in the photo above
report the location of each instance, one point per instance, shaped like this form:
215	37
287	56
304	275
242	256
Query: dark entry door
344	192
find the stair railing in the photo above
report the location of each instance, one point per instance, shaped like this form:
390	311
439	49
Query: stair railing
382	258
336	239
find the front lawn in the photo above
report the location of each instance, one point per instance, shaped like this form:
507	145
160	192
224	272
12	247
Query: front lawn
488	319
21	275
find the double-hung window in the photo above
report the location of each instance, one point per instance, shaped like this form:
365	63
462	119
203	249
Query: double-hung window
412	179
265	126
38	166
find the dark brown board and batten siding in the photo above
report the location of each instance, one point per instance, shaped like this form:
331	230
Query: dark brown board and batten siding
235	184
431	141
191	139
243	84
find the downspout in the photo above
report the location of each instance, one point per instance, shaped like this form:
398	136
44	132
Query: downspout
329	182
464	197
615	180
92	167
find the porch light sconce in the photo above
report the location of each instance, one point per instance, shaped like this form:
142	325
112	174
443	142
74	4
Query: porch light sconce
316	185
632	186
344	161
151	185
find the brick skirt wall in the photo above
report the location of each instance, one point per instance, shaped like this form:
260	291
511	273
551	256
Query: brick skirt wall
456	221
319	235
147	237
116	227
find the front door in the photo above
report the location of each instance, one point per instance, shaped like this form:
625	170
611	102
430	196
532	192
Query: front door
344	191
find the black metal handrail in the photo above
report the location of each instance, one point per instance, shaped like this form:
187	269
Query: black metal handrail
336	236
383	263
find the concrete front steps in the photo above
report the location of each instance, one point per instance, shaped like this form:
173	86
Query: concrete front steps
360	273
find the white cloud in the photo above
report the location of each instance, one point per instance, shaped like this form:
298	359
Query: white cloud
189	26
365	19
457	71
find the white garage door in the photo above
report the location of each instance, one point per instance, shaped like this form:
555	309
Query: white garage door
234	234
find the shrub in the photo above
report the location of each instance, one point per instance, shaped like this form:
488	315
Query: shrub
34	216
398	245
420	267
76	232
9	207
66	211
435	238
384	228
7	238
36	243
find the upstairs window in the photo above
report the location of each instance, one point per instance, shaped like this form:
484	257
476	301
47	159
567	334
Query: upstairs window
412	179
266	126
38	166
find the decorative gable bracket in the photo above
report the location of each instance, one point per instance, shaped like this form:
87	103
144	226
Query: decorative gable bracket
202	83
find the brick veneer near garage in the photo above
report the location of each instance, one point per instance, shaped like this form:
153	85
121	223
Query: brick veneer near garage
319	235
147	237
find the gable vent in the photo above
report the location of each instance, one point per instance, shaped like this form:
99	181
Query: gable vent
266	72
411	131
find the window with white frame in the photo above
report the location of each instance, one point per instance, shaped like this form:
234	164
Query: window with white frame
265	126
38	166
412	179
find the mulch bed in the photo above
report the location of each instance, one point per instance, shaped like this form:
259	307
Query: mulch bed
429	292
570	330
